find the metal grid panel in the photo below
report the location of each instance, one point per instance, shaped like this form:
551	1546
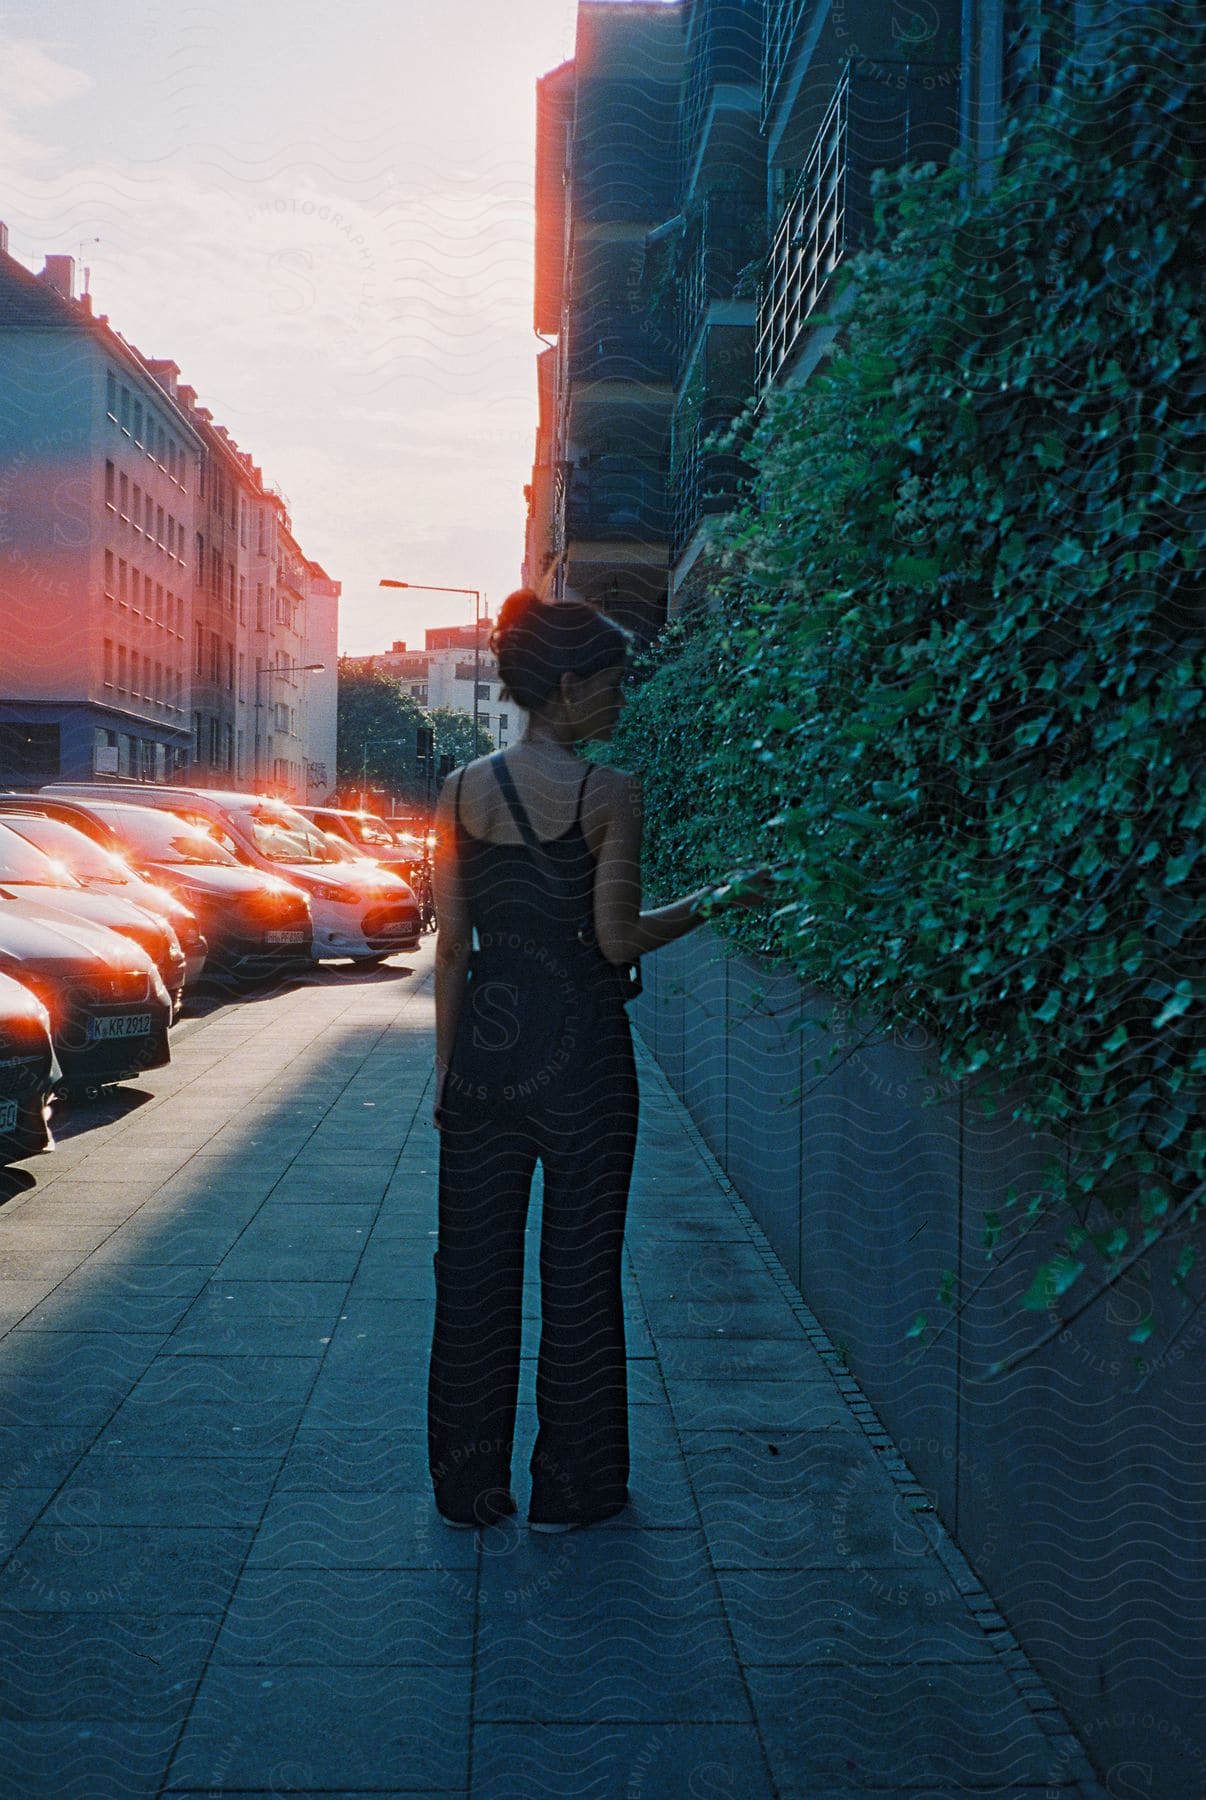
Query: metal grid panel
808	243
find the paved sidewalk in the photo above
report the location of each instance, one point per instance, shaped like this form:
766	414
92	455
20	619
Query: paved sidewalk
221	1569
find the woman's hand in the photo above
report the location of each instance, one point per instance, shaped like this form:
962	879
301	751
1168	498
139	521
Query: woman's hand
743	891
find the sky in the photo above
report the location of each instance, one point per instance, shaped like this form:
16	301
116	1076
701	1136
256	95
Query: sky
323	214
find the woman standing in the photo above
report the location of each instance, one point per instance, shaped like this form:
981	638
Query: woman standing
538	895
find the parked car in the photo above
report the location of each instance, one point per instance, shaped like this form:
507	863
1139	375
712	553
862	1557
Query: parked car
361	832
27	873
109	1010
103	871
29	1073
254	924
359	910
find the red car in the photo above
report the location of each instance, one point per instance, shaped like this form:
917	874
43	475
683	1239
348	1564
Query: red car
109	1010
29	1073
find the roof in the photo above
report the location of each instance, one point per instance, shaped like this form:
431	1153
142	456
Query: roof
26	300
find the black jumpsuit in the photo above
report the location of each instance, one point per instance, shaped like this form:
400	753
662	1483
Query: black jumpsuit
584	1136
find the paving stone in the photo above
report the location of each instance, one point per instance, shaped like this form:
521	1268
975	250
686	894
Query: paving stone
375	1617
96	1759
733	1405
956	1726
401	1727
381	1529
663	1761
80	1666
115	1488
108	1568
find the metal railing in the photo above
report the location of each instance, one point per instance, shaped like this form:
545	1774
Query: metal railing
625	502
705	482
808	243
782	28
727	235
726	46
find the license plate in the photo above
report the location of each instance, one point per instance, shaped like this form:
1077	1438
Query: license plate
284	937
8	1115
134	1025
398	928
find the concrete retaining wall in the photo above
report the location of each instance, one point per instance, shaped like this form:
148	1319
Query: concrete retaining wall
1076	1494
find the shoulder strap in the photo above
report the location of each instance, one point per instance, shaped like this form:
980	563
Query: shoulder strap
511	796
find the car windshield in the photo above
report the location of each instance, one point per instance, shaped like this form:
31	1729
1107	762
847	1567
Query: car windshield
167	838
69	846
285	836
371	831
23	862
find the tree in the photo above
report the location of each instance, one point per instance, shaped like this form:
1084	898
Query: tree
379	726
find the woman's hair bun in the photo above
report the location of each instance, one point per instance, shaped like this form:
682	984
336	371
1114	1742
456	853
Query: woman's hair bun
537	641
514	610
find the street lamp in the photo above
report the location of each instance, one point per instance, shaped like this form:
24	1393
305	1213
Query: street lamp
428	587
275	669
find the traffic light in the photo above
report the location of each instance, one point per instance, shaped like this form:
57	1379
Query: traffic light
424	749
447	764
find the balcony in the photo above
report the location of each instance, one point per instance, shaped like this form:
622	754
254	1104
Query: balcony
705	482
616	501
724	238
725	55
617	347
808	243
782	30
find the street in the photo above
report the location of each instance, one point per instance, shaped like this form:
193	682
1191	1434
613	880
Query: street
222	1570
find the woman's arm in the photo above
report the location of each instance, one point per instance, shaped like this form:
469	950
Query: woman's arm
453	932
623	931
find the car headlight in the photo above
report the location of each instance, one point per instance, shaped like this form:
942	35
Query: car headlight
342	896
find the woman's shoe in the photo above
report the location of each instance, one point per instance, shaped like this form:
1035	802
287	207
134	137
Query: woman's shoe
535	1525
501	1511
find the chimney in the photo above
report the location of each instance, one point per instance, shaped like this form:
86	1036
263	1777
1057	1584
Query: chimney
3	238
399	649
186	397
59	274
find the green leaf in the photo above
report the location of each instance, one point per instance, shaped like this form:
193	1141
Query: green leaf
1051	1280
1143	1329
918	1326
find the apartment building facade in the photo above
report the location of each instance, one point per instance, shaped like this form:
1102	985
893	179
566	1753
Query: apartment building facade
678	282
133	535
444	674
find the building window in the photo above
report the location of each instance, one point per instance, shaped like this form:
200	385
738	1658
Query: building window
125	410
230	668
148	592
121	667
123	489
503	721
242	676
180	617
135	673
200	560
111	394
159	524
31	749
136	507
483	690
123	581
138	421
259	606
242	599
199	651
108	662
110	577
197	736
110	487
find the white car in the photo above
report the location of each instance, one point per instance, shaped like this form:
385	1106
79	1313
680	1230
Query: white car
360	911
